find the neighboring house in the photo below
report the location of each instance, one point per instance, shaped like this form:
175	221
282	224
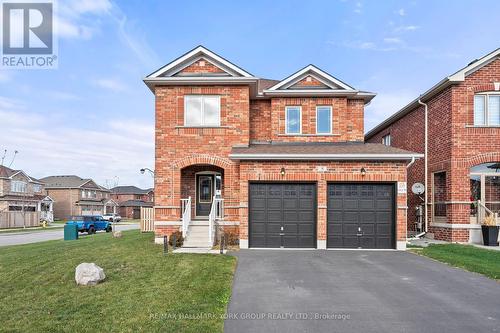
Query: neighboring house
74	195
22	193
130	200
280	163
463	149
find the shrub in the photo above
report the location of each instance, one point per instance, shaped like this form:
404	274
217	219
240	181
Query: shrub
231	238
179	239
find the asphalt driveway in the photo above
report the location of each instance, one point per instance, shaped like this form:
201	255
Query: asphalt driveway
358	291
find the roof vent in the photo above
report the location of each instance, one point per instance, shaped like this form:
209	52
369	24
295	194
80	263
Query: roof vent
473	61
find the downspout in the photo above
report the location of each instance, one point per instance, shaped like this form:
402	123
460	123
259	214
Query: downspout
426	119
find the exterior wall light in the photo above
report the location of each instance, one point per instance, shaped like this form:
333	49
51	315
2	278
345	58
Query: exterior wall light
282	172
363	172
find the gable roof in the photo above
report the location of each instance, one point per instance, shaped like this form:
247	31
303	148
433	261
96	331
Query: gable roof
129	190
6	172
319	74
231	74
329	86
67	181
454	78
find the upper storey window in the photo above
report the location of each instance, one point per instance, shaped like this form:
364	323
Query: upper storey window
487	109
324	120
293	120
201	110
386	140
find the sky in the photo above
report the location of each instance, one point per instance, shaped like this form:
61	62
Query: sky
94	117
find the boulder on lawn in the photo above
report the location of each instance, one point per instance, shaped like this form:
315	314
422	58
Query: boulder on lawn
89	274
117	234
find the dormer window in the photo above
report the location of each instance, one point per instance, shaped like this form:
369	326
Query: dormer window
201	110
293	120
487	109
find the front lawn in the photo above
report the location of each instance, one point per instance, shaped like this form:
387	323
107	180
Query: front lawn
468	257
143	291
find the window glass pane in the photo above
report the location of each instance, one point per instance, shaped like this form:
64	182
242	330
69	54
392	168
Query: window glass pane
494	110
192	114
323	120
479	109
293	120
211	110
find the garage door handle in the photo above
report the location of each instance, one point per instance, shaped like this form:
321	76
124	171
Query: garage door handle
359	235
282	234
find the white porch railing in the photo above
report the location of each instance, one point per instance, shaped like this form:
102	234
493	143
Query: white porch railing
483	211
216	213
186	215
47	216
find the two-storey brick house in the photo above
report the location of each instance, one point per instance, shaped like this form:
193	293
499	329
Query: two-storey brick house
23	201
463	150
282	163
74	195
130	199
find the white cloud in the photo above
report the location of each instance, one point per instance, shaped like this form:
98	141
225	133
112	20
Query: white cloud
117	149
404	28
110	84
358	8
392	40
401	12
384	105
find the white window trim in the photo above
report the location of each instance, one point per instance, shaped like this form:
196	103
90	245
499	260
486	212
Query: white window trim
300	119
331	119
18	186
486	95
202	110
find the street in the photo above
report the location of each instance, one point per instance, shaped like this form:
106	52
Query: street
26	237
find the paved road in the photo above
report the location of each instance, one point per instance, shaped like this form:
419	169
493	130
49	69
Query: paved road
43	235
358	291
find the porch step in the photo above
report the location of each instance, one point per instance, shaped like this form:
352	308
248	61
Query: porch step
197	236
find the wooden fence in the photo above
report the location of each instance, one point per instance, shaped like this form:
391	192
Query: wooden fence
19	219
147	219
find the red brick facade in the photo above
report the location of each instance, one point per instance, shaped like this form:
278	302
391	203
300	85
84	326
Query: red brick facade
182	151
454	146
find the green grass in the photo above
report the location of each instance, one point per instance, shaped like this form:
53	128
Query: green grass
468	257
143	291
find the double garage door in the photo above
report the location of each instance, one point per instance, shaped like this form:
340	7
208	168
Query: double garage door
359	215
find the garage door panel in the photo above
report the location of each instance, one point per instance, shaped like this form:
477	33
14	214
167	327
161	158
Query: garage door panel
284	217
367	217
349	229
290	203
350	204
306	216
350	217
383	204
274	204
366	204
365	207
367	242
368	228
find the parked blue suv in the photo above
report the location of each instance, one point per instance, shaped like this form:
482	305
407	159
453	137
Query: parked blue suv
90	224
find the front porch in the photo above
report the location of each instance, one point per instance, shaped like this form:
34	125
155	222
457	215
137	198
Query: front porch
201	216
461	199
